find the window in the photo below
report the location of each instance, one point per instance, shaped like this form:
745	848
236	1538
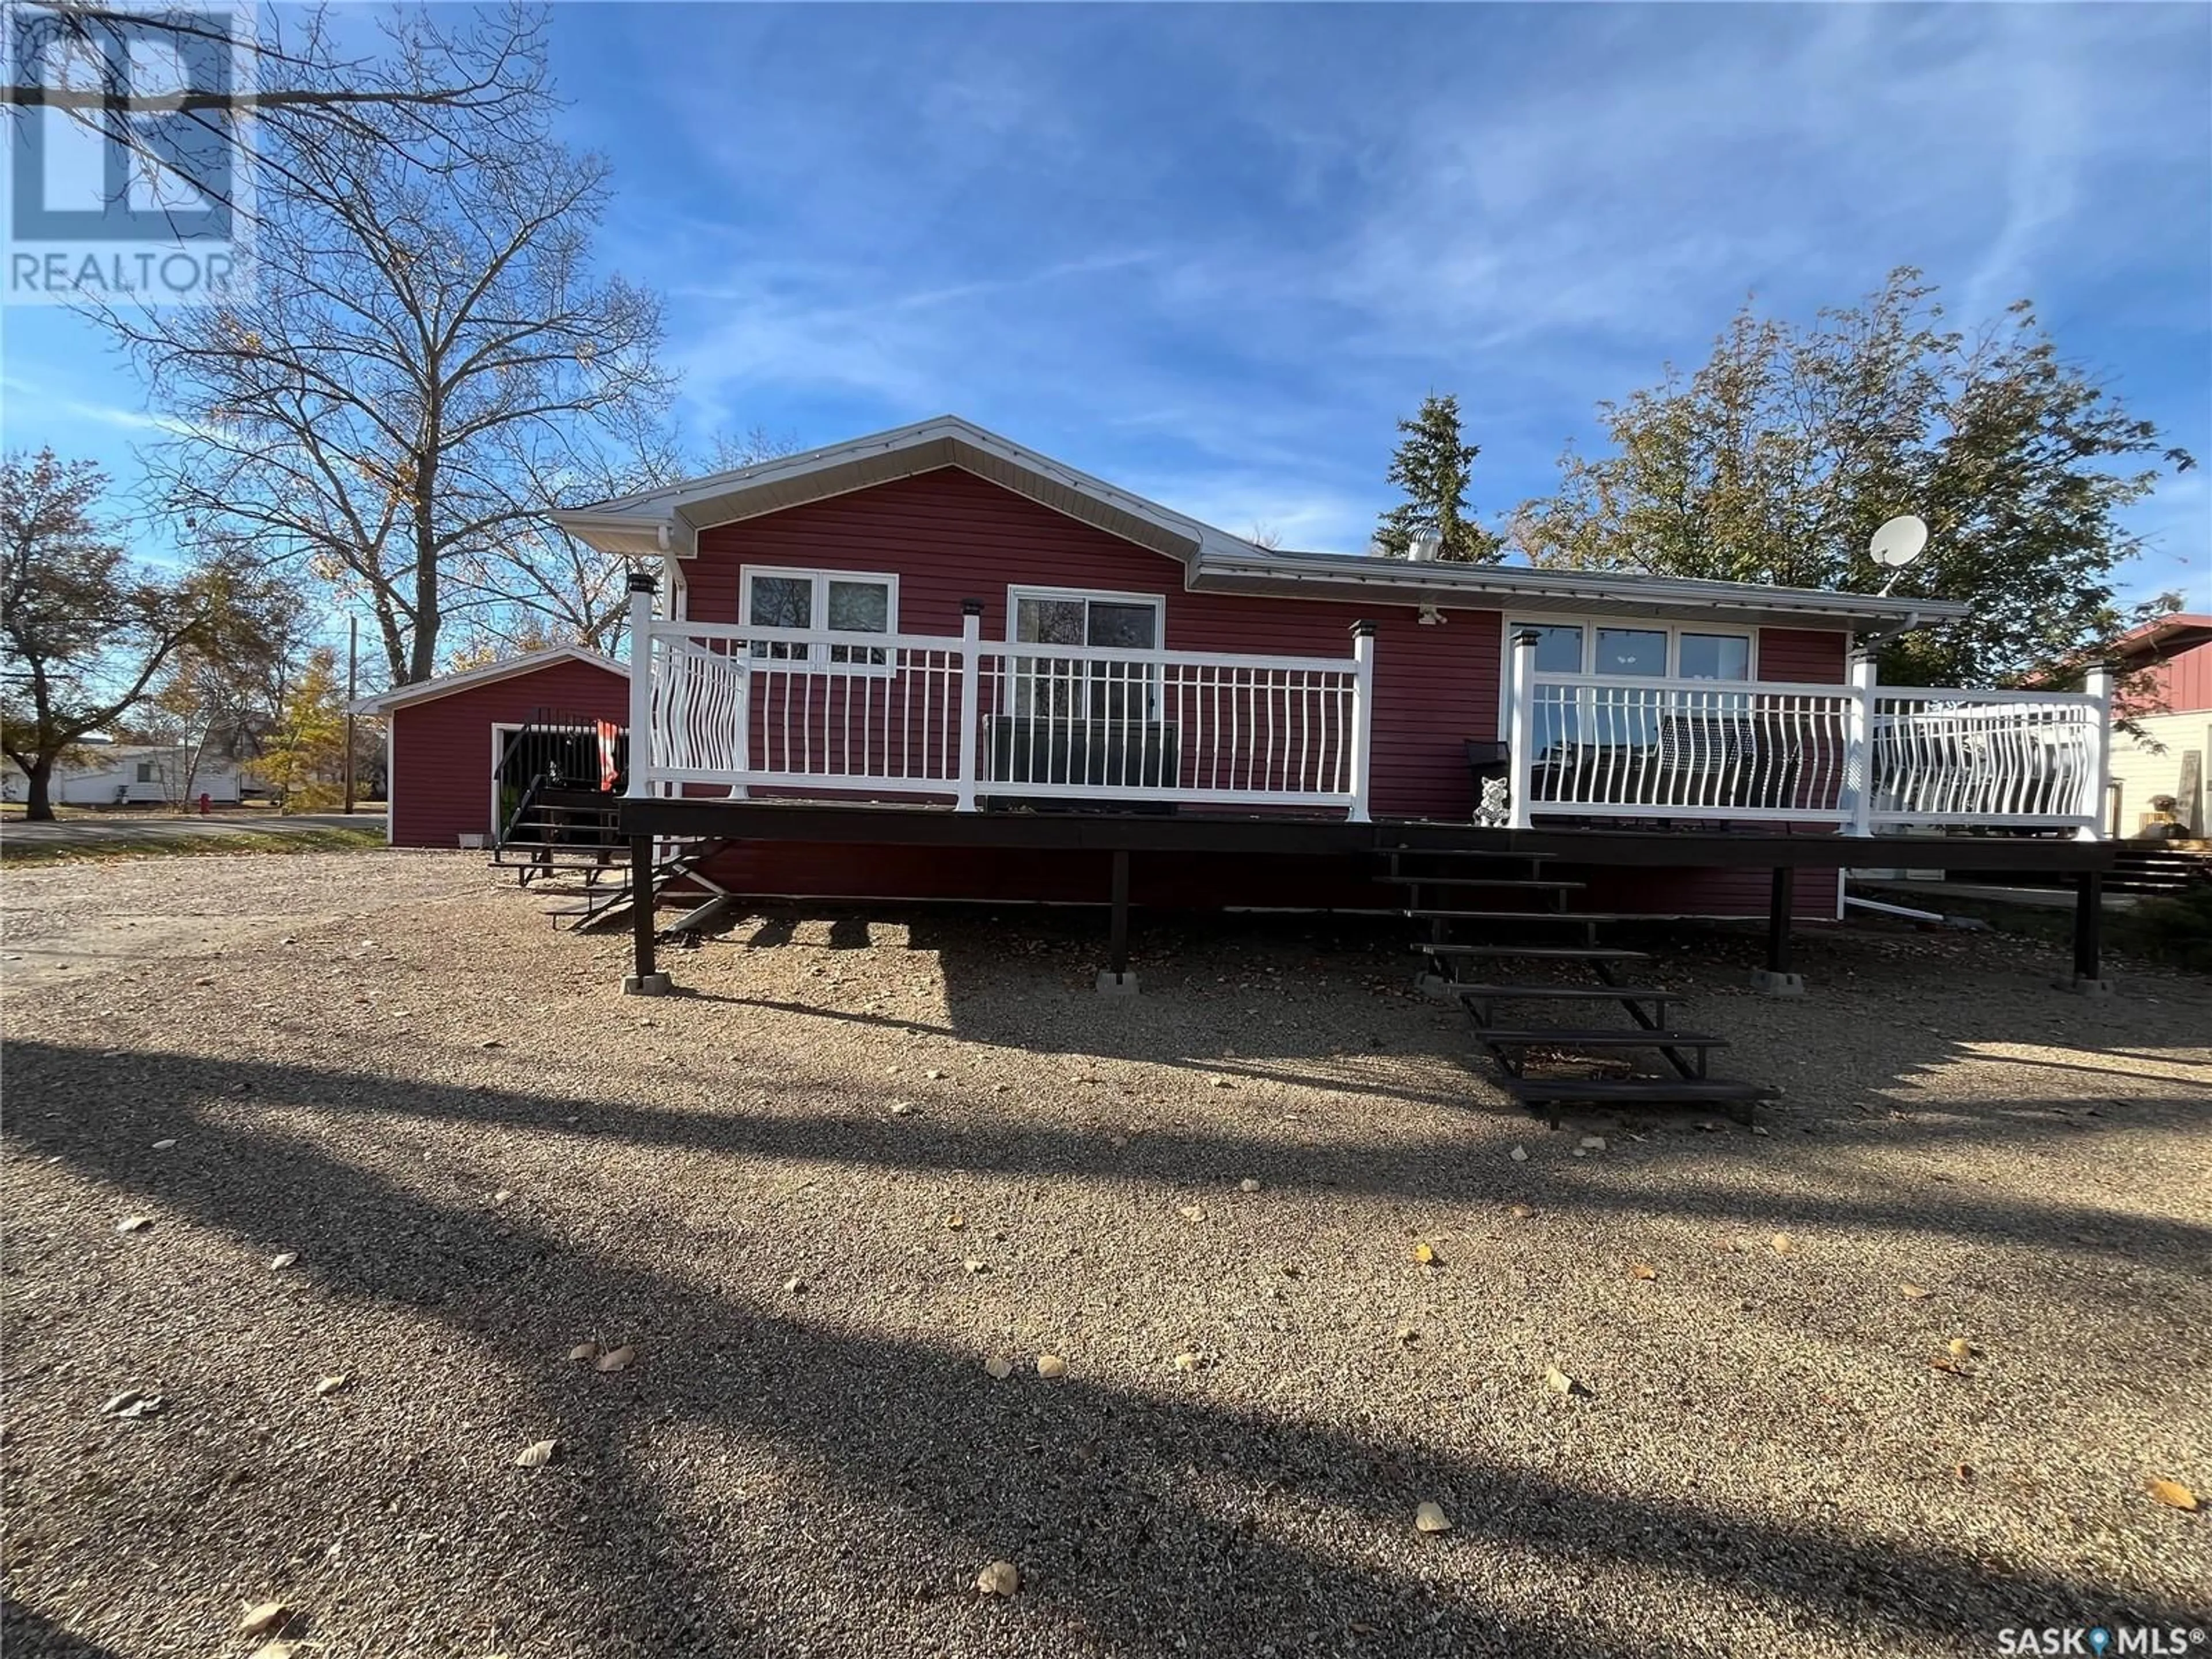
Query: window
1095	689
837	601
145	771
1565	716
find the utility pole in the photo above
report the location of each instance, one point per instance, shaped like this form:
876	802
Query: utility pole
353	658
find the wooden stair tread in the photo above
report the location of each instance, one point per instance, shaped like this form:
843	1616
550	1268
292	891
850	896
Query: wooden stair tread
1564	992
1523	882
1491	853
1426	914
1529	1090
1545	952
1610	1037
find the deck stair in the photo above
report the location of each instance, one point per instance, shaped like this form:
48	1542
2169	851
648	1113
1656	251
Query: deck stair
575	836
1517	914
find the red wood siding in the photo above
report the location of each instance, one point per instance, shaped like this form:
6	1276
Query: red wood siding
1804	656
950	535
442	755
1199	881
2179	686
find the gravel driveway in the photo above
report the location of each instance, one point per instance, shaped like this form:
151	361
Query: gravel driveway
859	1160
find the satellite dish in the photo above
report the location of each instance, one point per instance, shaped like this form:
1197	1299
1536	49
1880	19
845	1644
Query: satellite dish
1898	542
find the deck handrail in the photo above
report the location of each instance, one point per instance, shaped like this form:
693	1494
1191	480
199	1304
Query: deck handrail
1860	755
969	721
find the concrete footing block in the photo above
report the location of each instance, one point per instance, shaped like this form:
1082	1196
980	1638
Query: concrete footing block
1111	984
647	985
2083	987
1770	984
1436	986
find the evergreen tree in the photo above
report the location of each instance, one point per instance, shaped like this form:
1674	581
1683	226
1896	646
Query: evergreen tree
1433	466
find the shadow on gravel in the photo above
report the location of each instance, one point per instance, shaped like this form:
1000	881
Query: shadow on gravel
1112	1502
26	1633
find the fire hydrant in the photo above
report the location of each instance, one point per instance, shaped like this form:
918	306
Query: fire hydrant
204	802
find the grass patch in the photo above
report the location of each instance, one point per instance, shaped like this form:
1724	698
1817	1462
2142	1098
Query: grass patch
251	841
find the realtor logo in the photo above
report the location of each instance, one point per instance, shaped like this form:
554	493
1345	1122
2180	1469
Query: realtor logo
129	179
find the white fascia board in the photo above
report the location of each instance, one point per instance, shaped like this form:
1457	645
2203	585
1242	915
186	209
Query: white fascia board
1442	584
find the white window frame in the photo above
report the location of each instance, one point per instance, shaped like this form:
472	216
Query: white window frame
819	605
1017	591
1589	622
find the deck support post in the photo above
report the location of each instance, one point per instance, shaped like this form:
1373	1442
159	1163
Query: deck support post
2088	937
642	586
643	981
1776	979
1360	747
1858	745
2097	775
1117	981
971	699
1521	733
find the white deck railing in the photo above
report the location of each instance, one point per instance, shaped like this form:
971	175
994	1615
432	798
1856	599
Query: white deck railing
972	721
1858	757
969	719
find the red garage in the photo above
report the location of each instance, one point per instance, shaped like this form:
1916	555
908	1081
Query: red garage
452	746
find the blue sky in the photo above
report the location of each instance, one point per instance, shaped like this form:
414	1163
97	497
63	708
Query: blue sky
1212	254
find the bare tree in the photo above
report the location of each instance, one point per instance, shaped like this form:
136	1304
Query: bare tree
85	632
425	361
306	88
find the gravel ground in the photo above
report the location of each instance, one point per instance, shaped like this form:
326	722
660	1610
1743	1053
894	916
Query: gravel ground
389	1067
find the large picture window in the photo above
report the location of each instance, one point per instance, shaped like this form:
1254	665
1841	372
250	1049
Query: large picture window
1091	689
840	601
1625	651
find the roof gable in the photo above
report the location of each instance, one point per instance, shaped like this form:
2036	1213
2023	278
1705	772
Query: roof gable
403	696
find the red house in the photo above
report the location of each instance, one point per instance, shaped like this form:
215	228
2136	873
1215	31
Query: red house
933	664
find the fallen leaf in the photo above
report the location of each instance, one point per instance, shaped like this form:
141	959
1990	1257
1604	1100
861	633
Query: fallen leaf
585	1353
163	1146
1960	1348
999	1578
976	1264
956	1221
330	1384
278	1263
1559	1383
902	1108
1248	1185
1221	1083
1052	1365
128	1397
537	1454
1431	1518
998	1367
1950	1367
1192	1212
1592	1143
134	1224
1642	1270
616	1359
1519	1154
501	1196
2174	1495
1914	1292
1425	1252
260	1619
1783	1243
1520	1212
1962	1472
793	1285
933	1075
1406	1335
1187	1362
